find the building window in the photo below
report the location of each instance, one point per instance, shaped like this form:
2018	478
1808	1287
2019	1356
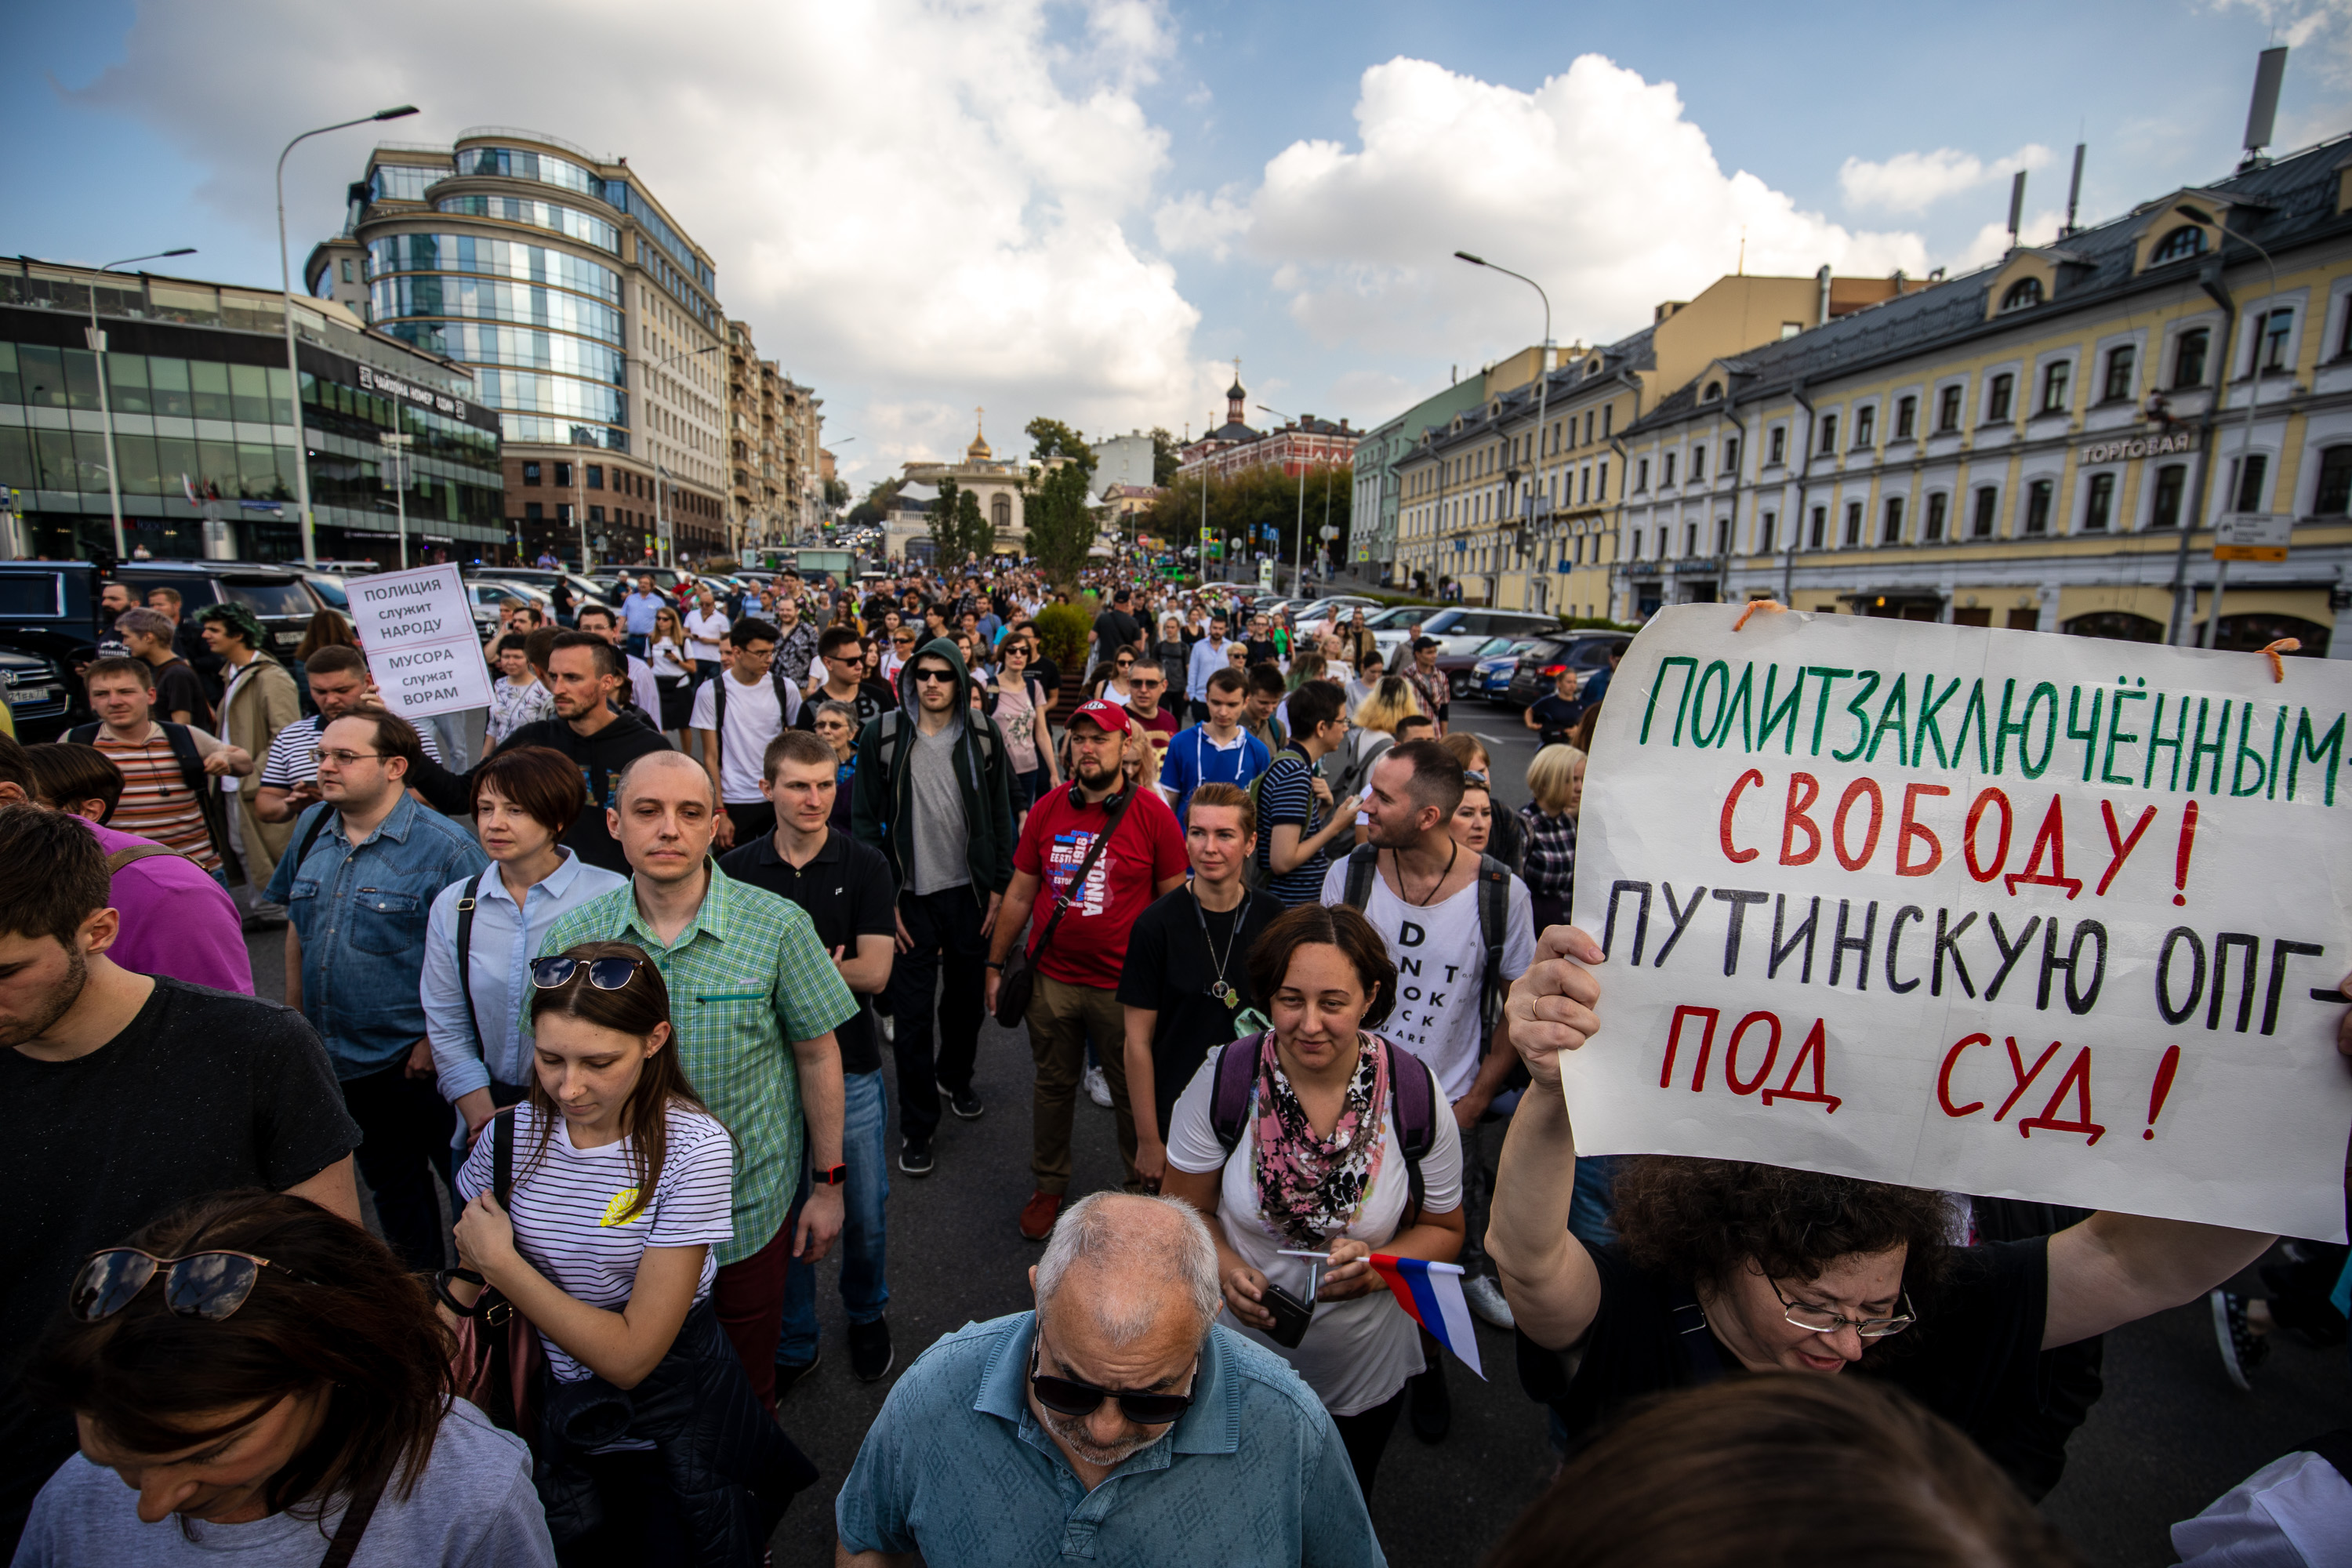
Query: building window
530	473
1584	481
347	271
1608	417
1666	470
2099	505
1997	396
1988	503
563	512
1778	447
2037	506
2188	358
1865	426
1852	523
564	475
1931	529
1731	456
2335	495
596	476
2277	327
2171	483
1890	528
2054	382
1906	413
1698	464
1633	550
531	511
2250	476
1713	390
2119	374
1829	433
1690	541
2023	294
1601	481
1000	514
2344	338
1820	525
1764	533
2182	243
1948	410
1588	428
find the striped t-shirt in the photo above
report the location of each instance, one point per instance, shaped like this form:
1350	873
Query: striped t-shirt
566	1204
156	801
293	758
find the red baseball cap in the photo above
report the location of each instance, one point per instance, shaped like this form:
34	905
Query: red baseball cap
1108	717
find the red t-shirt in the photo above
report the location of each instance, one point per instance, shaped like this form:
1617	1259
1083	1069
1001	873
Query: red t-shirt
1089	945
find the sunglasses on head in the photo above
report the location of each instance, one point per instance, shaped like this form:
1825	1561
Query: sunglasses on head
209	1285
1068	1396
611	974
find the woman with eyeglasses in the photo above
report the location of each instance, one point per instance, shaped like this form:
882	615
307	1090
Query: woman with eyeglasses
652	1446
1312	1159
1019	705
835	724
256	1381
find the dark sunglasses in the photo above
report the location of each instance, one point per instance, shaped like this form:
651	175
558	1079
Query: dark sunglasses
209	1285
611	973
1068	1396
944	677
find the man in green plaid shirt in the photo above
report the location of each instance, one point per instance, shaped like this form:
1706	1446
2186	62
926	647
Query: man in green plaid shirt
754	999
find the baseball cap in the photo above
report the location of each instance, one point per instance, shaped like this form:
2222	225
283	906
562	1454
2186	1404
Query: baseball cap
1421	643
1108	717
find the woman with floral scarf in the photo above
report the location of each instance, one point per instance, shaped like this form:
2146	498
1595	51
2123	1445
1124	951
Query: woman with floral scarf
1317	1168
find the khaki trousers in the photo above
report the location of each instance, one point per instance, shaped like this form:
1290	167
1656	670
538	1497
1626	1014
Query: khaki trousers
1061	1017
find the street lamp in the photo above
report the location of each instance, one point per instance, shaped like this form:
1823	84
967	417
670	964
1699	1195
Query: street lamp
1543	369
97	341
285	286
1298	540
2246	432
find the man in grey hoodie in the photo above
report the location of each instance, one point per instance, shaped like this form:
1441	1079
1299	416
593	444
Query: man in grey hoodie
933	792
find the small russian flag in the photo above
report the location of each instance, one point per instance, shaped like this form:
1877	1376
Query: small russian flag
1430	1294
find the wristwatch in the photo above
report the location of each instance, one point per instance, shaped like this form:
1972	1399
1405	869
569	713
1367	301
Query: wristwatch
831	1176
996	964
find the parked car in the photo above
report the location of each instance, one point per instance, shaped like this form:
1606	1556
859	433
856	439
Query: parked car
1491	676
1585	652
1461	670
1460	629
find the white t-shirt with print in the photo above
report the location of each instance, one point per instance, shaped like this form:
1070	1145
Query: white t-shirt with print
1357	1354
1441	960
564	1203
754	720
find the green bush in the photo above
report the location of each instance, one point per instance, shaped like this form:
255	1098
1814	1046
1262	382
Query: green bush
1062	631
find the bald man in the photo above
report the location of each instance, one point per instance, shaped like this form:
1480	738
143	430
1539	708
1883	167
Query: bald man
1216	1442
748	977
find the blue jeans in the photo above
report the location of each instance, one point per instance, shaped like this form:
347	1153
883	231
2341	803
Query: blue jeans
865	1122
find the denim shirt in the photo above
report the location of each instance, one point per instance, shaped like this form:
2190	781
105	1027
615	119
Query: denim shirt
361	911
959	1468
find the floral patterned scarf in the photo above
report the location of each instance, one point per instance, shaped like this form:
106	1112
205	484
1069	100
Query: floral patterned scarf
1310	1188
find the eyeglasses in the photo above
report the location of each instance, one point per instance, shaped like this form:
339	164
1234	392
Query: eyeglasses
210	1285
1822	1320
341	759
1068	1396
609	974
944	677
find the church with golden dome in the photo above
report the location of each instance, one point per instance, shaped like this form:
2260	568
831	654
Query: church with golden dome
907	529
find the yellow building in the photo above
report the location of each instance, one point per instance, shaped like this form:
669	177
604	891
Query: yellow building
2045	443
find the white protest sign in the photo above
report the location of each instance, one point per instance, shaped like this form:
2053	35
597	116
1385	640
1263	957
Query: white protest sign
1992	912
417	630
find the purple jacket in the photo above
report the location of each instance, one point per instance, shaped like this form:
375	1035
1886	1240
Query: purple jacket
176	920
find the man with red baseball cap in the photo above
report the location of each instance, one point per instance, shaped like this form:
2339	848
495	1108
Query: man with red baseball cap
1101	852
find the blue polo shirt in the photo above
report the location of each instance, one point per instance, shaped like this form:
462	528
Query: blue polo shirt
959	1468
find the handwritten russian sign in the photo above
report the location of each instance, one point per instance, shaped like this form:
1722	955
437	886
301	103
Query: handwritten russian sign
1992	912
418	631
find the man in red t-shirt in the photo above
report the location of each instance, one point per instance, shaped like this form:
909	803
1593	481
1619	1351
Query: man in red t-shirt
1076	993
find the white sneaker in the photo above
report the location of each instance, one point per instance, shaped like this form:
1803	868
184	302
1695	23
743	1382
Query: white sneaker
1097	1086
1485	1299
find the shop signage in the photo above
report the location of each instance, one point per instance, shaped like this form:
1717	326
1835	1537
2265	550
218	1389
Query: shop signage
2140	447
2251	535
372	380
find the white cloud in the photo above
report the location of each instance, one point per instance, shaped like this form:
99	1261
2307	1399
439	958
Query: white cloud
1914	182
1594	184
919	202
1206	224
1991	241
2301	25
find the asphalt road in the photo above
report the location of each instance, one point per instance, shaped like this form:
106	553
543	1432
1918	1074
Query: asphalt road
2169	1436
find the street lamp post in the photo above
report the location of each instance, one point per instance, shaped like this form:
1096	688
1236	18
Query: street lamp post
293	366
2246	431
1298	539
396	471
1543	367
97	339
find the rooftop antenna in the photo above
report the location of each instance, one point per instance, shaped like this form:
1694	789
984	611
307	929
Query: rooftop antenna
1743	250
2016	207
2074	188
2261	115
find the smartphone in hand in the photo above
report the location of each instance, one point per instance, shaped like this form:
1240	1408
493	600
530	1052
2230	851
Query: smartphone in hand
1291	1315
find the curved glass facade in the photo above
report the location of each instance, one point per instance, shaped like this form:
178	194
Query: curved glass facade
539	430
521	348
401	182
520	163
515	391
391	299
495	257
571	222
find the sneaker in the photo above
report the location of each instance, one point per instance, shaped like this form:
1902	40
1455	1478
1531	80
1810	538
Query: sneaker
265	917
1097	1086
915	1156
870	1355
2242	1350
964	1103
1431	1407
1485	1299
889	1028
787	1374
1039	1215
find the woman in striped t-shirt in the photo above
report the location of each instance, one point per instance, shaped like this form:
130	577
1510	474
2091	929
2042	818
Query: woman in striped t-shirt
652	1447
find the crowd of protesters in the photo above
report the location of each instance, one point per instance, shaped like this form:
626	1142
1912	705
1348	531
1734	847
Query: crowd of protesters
597	1020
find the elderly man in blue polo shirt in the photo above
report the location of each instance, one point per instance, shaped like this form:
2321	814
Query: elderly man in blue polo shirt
1115	1423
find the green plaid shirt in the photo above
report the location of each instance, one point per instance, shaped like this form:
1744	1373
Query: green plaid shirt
747	977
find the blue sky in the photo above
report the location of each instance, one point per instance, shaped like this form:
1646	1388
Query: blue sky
1080	206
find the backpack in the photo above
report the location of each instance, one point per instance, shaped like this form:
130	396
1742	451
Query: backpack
1257	871
787	703
1493	923
191	774
1413	1105
885	746
1357	768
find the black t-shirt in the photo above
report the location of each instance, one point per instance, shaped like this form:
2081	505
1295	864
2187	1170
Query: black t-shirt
1047	674
179	689
1261	650
601	756
1975	1356
202	1092
1170	968
848	892
1115	629
1557	714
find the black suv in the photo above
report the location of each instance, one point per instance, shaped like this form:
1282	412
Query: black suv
49	627
277	595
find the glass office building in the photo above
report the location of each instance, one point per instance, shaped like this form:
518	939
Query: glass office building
203	439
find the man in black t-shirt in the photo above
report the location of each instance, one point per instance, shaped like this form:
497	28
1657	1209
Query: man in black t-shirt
124	1096
1554	713
1185	986
852	899
1116	628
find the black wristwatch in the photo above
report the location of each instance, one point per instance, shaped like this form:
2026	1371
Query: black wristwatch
830	1175
995	963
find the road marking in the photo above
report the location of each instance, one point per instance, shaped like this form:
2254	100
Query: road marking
1492	740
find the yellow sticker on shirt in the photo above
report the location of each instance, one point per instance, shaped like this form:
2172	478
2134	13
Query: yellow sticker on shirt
619	1206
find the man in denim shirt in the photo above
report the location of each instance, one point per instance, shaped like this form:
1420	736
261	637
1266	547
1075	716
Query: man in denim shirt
358	888
979	1458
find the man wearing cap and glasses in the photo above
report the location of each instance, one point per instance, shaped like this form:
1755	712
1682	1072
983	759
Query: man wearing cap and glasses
1003	1434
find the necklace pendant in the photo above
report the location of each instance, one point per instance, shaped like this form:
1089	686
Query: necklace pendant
1225	993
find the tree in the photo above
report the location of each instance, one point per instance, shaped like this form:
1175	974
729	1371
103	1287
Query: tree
1260	506
957	529
836	494
1061	524
1164	460
871	511
1052	439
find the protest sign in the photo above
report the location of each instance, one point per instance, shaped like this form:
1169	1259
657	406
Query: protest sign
416	629
1990	912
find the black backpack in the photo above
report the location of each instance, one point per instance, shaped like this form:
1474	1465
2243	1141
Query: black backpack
784	697
1413	1104
1493	922
191	774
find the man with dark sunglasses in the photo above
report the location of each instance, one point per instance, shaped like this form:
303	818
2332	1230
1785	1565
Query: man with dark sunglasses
1222	1453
